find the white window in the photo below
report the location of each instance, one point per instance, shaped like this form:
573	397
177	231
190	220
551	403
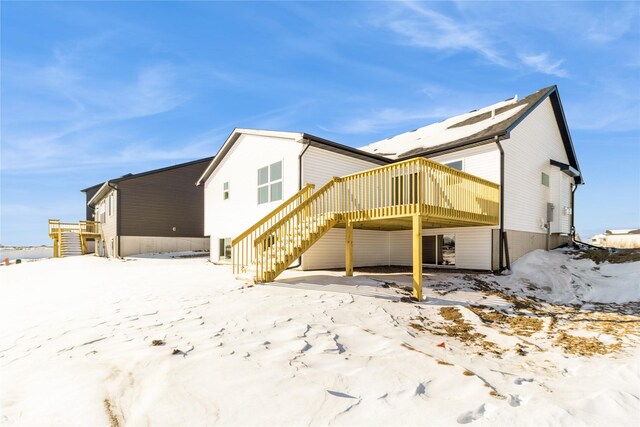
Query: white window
270	183
456	165
111	204
225	190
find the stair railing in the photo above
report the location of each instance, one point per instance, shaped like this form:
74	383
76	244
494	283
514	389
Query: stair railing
242	252
416	186
289	237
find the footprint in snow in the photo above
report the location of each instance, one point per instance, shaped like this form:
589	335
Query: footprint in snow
339	394
471	416
520	381
514	400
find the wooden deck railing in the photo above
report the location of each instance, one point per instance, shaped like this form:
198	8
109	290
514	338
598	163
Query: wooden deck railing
419	186
412	187
85	229
243	246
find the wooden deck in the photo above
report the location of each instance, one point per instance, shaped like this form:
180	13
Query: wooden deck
84	229
409	195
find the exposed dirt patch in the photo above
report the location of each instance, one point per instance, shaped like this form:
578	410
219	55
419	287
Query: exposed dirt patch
584	346
464	331
616	256
113	420
519	324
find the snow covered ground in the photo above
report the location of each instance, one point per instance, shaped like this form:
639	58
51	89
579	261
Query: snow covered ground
76	345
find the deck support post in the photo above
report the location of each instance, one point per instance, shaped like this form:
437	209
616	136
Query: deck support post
348	248
417	256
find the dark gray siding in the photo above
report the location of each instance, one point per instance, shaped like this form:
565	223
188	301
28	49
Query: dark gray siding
90	192
152	204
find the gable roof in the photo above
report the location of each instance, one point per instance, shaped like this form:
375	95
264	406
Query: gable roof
106	185
475	128
296	136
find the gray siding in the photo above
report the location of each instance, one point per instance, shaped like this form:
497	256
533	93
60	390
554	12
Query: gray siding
151	205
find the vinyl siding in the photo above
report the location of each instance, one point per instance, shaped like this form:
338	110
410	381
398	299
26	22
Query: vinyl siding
319	166
109	226
473	246
369	248
532	144
152	205
230	217
483	161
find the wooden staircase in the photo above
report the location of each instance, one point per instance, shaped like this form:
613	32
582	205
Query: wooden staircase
383	198
70	244
70	239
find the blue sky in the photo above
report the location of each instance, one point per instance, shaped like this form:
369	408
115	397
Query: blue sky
92	91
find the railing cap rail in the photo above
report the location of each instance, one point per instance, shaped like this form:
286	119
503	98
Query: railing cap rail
297	209
429	163
271	214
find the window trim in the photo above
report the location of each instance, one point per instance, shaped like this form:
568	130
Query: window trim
542	179
226	192
269	183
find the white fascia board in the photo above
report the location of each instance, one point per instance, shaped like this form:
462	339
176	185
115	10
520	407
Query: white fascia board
297	136
99	194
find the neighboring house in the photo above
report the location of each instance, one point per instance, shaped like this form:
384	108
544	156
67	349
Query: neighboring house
622	239
509	167
149	212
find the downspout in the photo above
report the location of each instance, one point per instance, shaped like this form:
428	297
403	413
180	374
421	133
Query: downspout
115	188
501	233
573	208
304	150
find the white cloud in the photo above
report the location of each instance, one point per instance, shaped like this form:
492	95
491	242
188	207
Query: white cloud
430	29
543	64
423	27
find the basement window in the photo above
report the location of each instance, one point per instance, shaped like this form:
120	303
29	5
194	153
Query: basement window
270	183
545	179
225	190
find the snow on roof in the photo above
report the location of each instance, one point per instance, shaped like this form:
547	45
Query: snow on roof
627	231
485	122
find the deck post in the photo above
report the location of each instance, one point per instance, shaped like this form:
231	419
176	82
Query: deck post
348	249
417	257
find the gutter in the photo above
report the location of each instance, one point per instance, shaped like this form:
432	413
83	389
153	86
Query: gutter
501	235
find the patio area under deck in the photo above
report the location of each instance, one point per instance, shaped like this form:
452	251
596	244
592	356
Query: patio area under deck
416	223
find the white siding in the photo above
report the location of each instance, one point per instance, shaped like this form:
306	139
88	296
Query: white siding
532	144
369	248
483	161
229	218
319	166
400	248
473	246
